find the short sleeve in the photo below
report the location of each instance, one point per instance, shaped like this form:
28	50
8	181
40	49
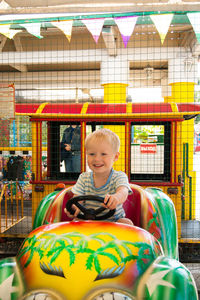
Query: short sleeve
121	179
79	187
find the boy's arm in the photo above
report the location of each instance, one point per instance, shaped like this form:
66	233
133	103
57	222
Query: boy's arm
112	201
77	190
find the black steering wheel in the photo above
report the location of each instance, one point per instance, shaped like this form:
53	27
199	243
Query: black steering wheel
89	213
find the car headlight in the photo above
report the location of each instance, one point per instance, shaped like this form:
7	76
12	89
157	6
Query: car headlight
113	296
41	295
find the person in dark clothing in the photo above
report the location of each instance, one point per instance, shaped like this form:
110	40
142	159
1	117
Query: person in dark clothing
71	148
15	168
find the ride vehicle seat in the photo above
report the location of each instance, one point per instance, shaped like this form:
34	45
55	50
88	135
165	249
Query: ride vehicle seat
132	206
138	208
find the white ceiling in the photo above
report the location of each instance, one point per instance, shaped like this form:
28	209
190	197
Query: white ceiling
82	6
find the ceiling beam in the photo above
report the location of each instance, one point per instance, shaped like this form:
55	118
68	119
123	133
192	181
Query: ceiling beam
18	43
81	56
19	48
19	67
189	39
109	40
53	76
52	80
3	41
72	79
196	49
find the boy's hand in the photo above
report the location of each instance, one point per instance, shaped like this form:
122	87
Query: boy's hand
111	201
76	212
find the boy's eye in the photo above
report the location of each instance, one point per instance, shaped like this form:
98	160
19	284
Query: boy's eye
103	154
91	154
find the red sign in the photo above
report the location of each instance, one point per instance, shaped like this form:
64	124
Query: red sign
148	148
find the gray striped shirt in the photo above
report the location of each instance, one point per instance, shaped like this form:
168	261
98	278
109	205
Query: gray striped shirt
85	186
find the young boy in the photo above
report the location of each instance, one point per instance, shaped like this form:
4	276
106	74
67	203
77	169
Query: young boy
102	150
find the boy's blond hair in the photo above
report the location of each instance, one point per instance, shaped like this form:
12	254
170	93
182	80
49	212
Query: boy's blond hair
102	135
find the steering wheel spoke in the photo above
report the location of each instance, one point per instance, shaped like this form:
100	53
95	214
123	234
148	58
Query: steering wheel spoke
81	207
100	210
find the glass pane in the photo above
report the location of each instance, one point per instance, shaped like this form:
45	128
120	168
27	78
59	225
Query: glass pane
147	149
70	148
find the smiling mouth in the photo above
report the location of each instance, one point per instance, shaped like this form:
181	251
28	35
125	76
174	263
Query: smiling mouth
98	166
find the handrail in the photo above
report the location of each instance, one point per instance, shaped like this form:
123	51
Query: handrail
186	174
190	181
1	197
16	193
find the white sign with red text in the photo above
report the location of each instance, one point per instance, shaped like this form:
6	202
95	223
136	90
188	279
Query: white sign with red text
148	148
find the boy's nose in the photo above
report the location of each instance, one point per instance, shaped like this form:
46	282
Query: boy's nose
97	157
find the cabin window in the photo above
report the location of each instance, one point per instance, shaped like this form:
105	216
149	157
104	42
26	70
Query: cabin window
64	150
150	151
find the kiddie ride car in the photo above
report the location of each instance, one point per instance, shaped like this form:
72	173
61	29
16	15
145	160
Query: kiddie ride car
93	260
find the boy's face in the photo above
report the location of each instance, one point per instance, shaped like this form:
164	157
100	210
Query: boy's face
100	156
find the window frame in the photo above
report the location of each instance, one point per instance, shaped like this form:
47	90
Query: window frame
166	175
54	172
53	152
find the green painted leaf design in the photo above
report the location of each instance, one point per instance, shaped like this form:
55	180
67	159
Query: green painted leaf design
97	264
89	262
52	246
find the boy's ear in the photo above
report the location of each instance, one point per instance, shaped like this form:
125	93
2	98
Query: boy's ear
116	156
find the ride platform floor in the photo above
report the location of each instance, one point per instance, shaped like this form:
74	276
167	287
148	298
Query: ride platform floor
194	268
190	229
